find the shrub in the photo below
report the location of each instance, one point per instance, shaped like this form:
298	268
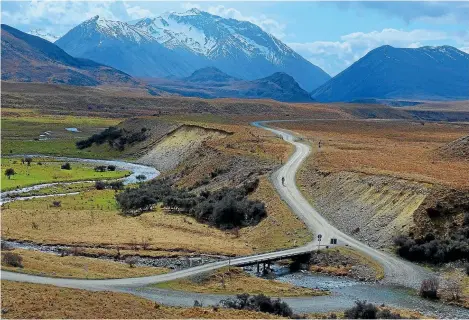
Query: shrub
387	314
111	167
12	259
116	185
10	172
225	208
56	204
100	168
260	303
432	250
361	310
28	160
131	261
140	177
100	185
429	288
117	138
108	134
66	166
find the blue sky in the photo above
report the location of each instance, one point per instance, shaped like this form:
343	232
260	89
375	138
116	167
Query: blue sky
331	35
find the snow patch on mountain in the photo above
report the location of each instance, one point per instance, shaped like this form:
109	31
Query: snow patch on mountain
44	35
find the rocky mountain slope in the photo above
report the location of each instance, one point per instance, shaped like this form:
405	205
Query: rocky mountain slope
27	58
426	73
176	44
213	83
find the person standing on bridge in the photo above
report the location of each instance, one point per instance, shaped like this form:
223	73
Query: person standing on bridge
283	181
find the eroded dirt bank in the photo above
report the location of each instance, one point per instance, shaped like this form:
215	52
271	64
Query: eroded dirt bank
372	208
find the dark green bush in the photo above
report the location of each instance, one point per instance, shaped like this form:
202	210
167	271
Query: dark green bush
12	259
429	288
259	303
100	168
364	310
66	166
225	208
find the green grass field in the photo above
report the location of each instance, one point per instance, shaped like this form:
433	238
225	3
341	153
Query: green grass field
28	132
61	188
50	171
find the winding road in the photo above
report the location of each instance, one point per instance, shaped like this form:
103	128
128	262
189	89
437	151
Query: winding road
397	271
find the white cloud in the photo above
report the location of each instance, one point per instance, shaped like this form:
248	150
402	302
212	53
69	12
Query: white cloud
62	14
334	56
268	24
189	5
426	11
137	12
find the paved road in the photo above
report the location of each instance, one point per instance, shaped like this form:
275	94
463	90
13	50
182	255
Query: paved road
397	270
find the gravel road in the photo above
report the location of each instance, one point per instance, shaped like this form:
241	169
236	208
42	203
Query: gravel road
397	271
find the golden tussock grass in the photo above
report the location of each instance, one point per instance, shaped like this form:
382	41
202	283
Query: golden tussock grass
236	281
397	148
91	219
28	301
51	265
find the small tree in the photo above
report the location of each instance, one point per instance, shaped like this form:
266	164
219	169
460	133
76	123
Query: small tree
111	167
361	310
56	204
12	259
140	177
452	288
131	261
429	288
10	172
100	168
66	166
28	160
100	185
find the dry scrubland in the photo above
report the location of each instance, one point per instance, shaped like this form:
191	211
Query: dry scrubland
23	300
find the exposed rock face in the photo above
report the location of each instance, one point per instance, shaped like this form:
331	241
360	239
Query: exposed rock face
373	209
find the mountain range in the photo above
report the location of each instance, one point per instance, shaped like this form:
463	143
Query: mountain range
199	54
211	82
177	44
27	58
426	73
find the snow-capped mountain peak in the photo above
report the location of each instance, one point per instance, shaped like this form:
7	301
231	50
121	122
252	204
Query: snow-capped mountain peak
193	39
213	36
116	29
44	35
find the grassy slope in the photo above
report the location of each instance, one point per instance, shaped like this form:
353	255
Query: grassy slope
22	127
92	218
46	264
24	300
